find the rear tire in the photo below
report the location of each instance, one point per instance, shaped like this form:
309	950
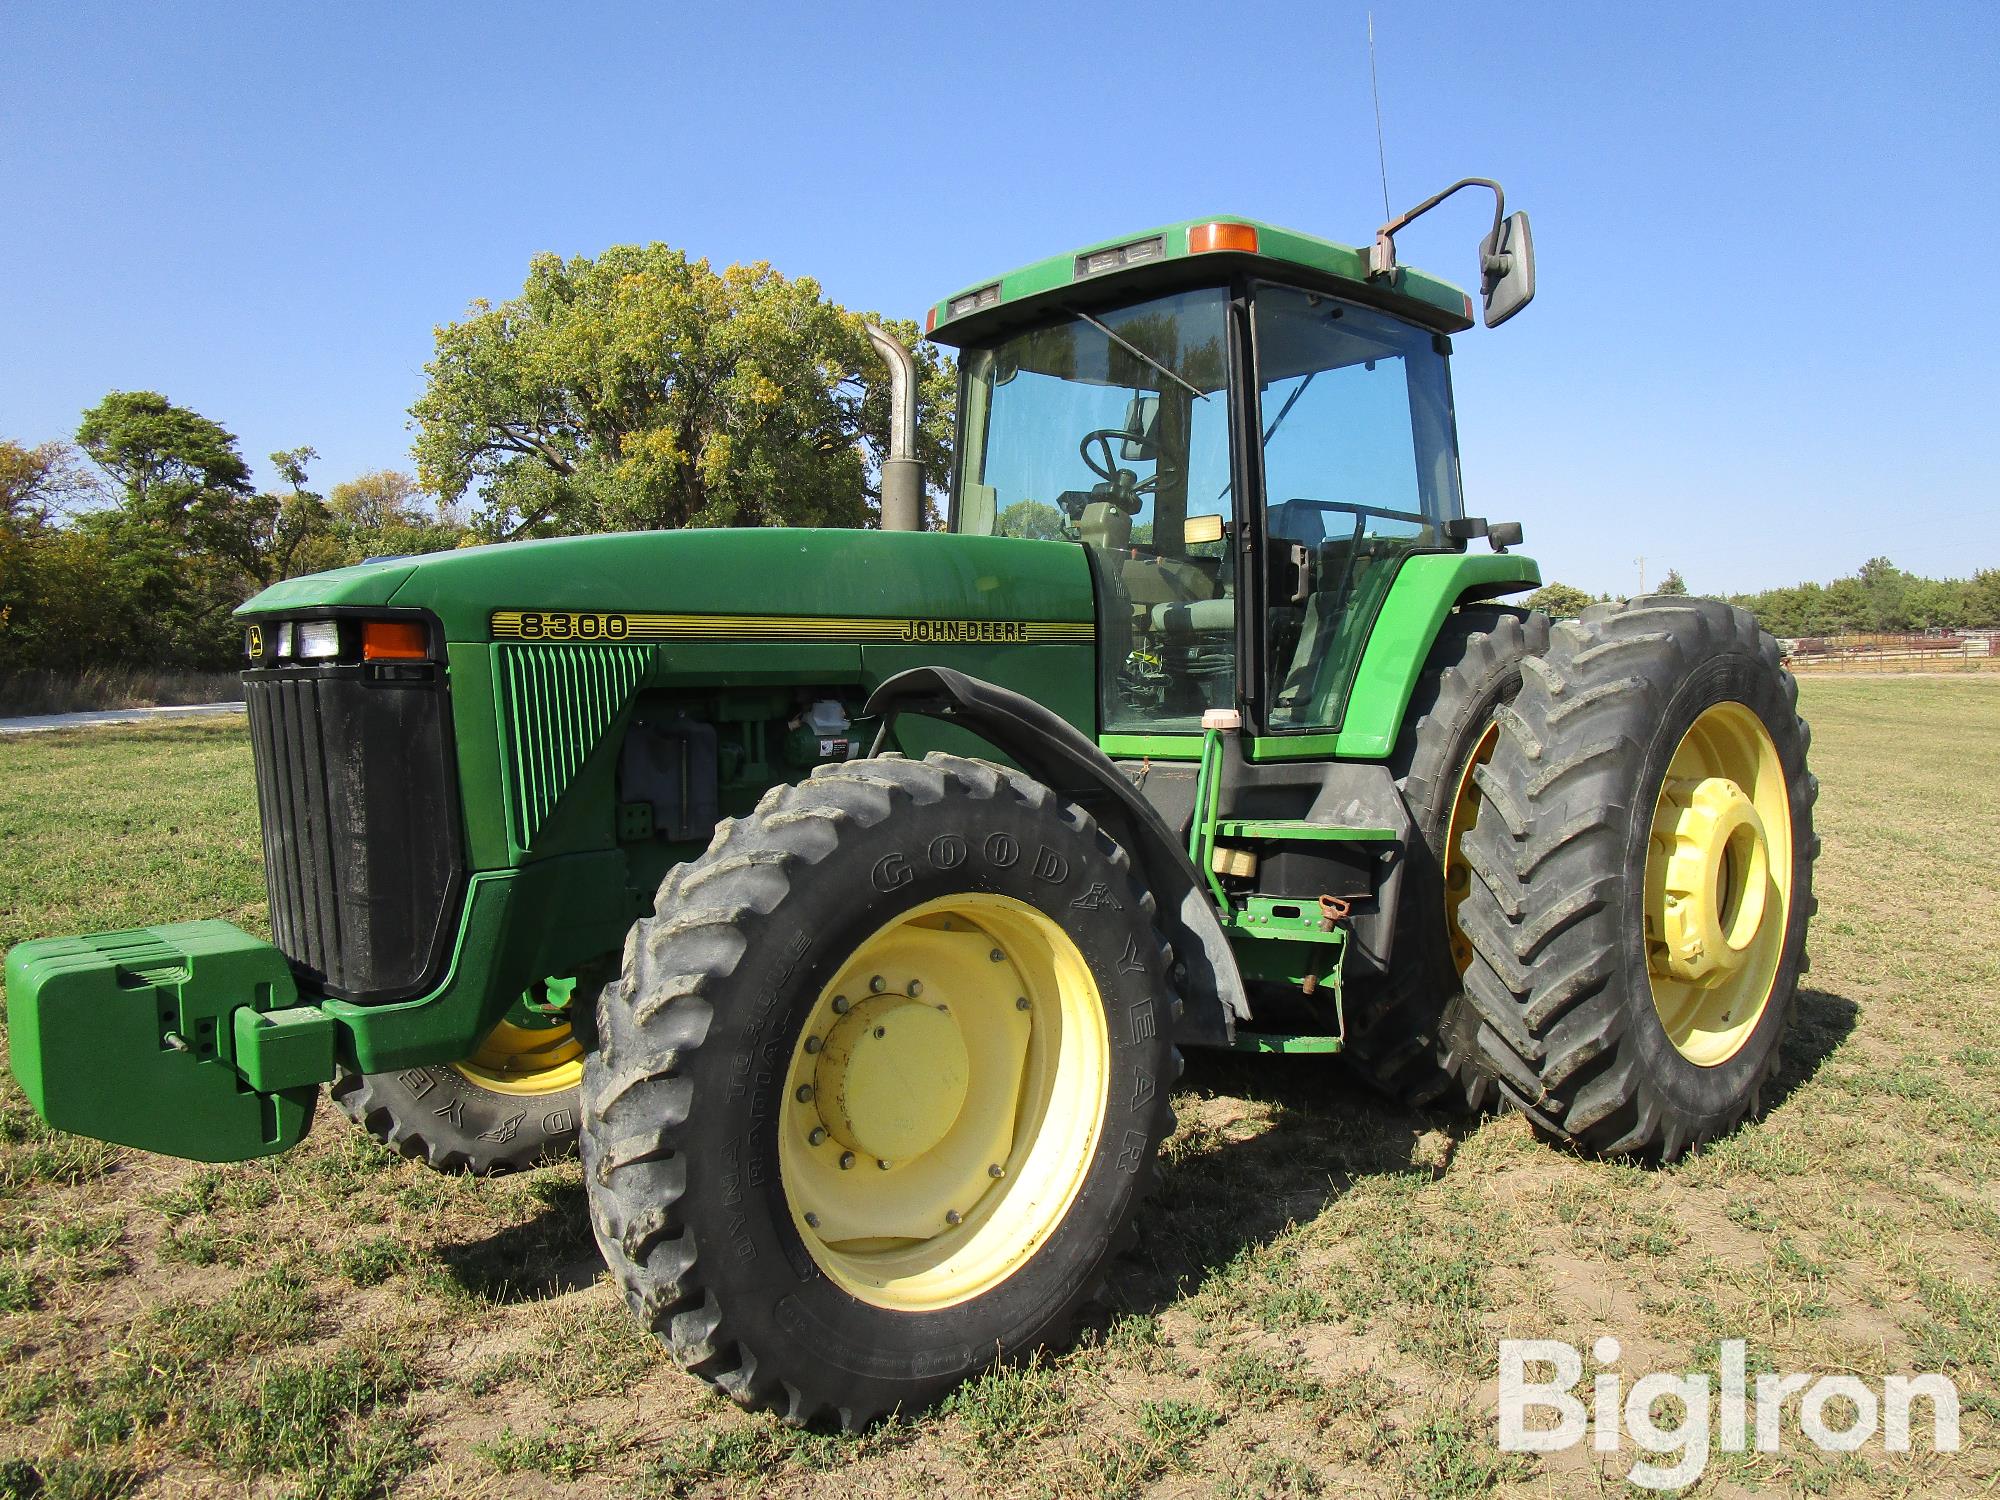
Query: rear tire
1639	935
706	1149
1409	1032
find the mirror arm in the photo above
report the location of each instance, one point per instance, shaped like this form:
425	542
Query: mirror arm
1382	258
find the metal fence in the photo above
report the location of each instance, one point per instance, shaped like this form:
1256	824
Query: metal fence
1944	651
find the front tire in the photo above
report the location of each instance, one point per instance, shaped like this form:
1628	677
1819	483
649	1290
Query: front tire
1644	851
879	1089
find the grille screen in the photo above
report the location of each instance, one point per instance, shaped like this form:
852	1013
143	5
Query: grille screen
361	828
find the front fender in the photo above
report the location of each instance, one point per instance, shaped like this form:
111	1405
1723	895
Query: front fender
1047	747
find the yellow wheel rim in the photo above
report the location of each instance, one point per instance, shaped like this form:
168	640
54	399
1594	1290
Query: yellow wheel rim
526	1060
1718	884
943	1102
1457	874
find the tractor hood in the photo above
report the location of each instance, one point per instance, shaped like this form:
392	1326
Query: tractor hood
870	585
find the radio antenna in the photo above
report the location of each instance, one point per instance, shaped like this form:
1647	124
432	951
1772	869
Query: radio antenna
1375	88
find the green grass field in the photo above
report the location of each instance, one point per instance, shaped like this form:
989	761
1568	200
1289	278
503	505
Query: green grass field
1315	1308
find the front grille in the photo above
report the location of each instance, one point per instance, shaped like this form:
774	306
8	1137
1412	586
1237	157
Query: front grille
361	826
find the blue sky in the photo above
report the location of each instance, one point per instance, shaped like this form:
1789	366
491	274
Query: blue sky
1760	352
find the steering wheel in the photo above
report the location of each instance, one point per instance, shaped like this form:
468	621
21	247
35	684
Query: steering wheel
1122	488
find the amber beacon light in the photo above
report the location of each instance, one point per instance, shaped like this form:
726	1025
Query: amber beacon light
1202	238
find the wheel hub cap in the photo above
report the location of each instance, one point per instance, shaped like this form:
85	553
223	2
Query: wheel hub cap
1718	884
892	1077
943	1102
1715	878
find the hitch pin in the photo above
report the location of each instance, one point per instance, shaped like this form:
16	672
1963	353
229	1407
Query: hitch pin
176	1042
1332	909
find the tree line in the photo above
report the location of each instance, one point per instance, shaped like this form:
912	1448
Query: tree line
1879	598
131	545
639	389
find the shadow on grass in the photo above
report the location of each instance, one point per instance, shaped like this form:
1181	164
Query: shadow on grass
1318	1129
1322	1129
1821	1024
544	1256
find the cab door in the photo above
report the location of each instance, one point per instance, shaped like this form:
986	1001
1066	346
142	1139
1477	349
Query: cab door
1359	470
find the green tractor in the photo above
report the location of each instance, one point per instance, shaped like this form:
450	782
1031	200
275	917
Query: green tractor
847	897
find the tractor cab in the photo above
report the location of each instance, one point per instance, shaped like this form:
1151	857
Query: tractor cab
1246	434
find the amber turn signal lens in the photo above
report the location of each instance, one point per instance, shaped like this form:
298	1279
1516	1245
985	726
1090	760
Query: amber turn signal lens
394	640
1203	238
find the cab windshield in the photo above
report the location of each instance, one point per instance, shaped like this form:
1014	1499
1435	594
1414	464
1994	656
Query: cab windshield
1113	431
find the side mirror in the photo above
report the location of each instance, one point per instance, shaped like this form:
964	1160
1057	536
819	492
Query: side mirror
1142	419
1506	256
1503	534
1462	529
1507	269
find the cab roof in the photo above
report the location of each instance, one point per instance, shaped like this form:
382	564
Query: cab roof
1180	254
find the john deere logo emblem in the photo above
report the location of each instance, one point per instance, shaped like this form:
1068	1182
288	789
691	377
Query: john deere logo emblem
256	640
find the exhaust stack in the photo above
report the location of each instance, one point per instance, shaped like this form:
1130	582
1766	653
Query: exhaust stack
902	470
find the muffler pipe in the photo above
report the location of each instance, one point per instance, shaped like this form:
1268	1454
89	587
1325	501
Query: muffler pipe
902	470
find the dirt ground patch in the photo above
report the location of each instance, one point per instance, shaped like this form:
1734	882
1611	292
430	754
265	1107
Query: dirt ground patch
1314	1308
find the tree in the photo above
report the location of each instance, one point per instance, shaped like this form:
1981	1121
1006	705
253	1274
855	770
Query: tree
180	472
643	389
186	542
1559	600
385	513
1032	519
294	532
369	502
1983	599
1939	603
1848	607
39	484
1888	589
1673	584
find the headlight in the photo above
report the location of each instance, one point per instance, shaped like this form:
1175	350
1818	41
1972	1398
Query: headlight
318	639
281	638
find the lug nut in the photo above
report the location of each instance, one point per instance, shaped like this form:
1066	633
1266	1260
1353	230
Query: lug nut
805	1093
882	1164
944	1010
817	1136
840	1005
916	989
846	1160
996	1170
952	1216
876	983
997	956
1021	1003
812	1221
813	1044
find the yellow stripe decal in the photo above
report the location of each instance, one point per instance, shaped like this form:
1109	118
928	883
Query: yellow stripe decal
566	626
